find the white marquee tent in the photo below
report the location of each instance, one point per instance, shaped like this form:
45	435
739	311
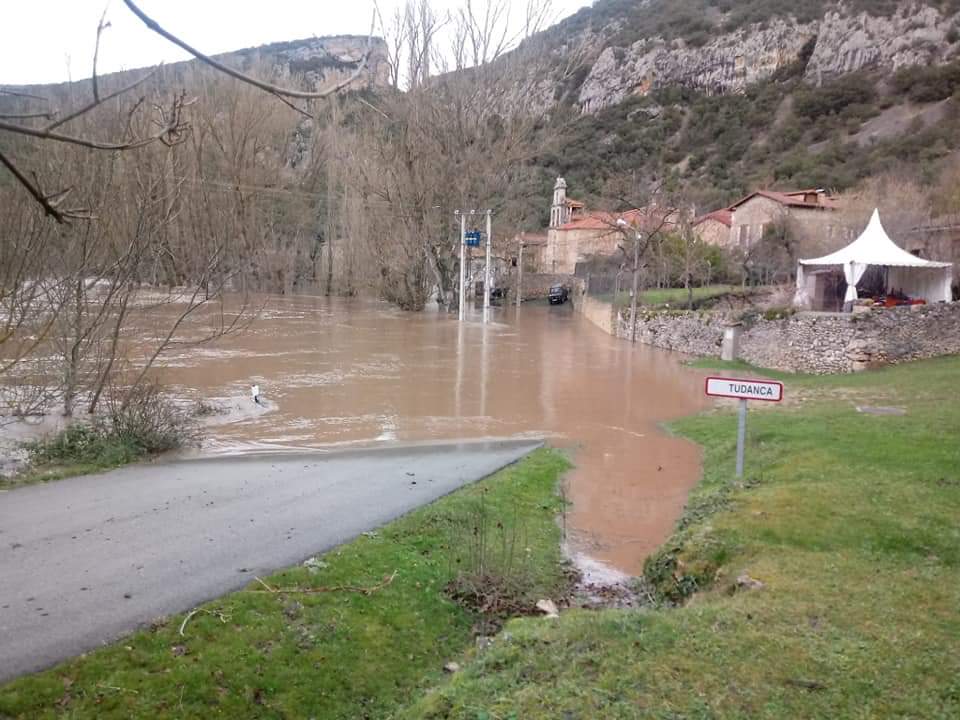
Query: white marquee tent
914	276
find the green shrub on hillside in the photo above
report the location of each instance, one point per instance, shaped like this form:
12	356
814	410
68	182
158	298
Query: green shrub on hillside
927	84
834	98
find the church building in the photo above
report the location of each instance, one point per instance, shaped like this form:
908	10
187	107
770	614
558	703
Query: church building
576	235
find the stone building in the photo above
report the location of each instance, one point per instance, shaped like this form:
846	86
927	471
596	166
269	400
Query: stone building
534	247
714	228
576	234
938	239
809	214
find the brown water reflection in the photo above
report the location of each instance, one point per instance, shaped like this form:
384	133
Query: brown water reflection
335	371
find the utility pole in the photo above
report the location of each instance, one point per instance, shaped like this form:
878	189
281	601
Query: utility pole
636	276
475	241
487	273
636	283
463	265
520	273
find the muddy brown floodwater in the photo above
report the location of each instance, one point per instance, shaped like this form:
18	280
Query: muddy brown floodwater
336	372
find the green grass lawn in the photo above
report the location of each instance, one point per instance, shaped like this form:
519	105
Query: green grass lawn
675	297
851	522
339	654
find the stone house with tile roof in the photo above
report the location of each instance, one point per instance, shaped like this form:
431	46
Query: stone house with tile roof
576	234
810	215
714	228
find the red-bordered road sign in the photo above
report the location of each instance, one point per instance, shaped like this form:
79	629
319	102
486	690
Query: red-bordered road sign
740	389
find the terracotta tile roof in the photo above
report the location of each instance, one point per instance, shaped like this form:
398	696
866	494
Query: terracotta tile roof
795	198
723	215
574	203
608	221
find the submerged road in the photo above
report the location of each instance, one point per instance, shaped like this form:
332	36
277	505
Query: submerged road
85	560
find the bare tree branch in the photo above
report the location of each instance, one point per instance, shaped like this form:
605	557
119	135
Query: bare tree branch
101	26
16	93
265	86
99	101
171	132
29	116
49	203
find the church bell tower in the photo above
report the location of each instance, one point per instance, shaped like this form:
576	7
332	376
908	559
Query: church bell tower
559	211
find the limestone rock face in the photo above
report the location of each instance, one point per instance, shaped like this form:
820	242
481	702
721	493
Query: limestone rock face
917	33
320	61
728	63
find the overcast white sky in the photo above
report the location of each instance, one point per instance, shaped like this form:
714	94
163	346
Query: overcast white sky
51	40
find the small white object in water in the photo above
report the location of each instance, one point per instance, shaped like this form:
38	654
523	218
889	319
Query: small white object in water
255	393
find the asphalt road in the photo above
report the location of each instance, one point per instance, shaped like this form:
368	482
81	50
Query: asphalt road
85	560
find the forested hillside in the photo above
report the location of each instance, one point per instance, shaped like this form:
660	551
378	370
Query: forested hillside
718	97
709	99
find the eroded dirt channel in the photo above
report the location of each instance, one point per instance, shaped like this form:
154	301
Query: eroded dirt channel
336	372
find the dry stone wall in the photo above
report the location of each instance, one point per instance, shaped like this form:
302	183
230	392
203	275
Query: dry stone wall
809	342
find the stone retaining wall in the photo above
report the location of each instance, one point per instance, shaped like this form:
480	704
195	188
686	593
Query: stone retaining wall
805	342
598	312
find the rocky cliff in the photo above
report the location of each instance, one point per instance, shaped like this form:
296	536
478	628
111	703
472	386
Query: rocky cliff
312	63
318	62
594	68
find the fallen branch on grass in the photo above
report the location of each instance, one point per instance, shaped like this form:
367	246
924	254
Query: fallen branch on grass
216	614
264	584
118	689
333	588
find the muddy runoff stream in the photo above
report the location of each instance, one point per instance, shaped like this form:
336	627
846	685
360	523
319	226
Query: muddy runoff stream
338	373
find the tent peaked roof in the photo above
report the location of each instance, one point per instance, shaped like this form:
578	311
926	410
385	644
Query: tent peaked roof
874	247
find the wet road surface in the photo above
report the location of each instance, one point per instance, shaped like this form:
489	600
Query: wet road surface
84	560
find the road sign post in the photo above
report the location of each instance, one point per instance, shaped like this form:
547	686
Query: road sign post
520	275
463	266
471	239
743	390
741	435
487	272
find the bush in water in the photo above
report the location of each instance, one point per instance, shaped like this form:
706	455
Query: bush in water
143	421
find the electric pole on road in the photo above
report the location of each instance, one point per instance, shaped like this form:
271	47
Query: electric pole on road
520	274
487	273
474	236
463	264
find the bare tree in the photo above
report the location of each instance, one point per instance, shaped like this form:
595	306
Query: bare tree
643	228
395	36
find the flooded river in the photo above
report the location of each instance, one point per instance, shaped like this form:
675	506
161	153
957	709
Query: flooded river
336	372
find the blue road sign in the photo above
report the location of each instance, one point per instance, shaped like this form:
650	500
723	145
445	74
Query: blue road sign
472	238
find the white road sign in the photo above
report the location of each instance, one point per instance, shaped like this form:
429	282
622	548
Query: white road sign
745	389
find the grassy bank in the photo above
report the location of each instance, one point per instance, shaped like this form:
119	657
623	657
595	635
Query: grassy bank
79	449
675	297
380	633
852	523
146	426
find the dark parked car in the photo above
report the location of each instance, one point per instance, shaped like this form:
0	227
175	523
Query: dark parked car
558	295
